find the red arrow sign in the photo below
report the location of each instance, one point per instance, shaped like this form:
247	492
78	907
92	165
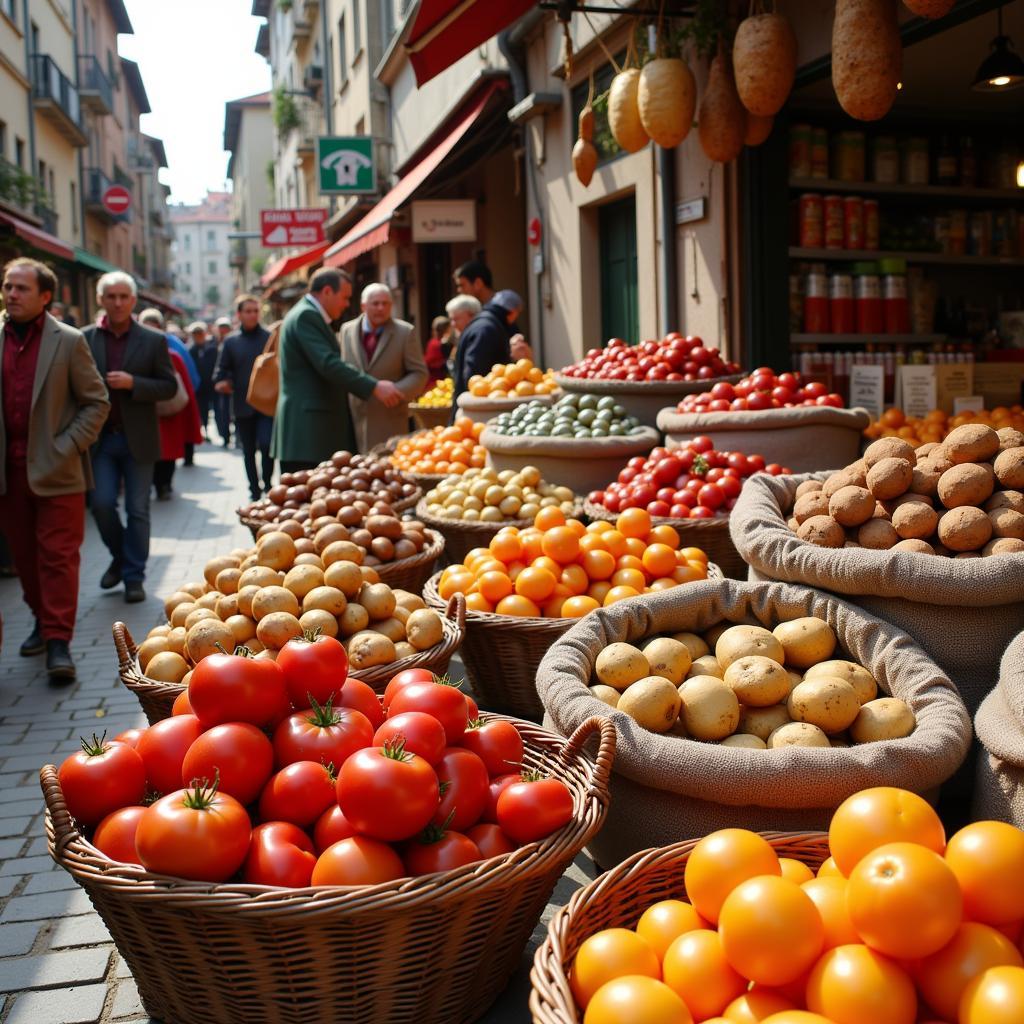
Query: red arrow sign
116	199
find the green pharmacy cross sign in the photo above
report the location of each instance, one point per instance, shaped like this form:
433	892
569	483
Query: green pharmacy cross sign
345	165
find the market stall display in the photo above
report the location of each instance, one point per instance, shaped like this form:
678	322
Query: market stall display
430	455
667	788
434	408
506	387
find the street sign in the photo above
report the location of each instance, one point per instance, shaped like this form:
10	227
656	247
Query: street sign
444	220
345	165
292	227
116	199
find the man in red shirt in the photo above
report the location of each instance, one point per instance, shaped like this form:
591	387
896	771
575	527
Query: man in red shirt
53	403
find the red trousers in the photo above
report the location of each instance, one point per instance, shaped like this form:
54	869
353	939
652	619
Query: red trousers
45	537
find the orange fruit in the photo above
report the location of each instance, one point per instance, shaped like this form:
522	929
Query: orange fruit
659	560
634	522
561	544
578	605
795	871
687	574
457	583
599	526
478	603
664	534
607	955
755	1006
636	999
593	542
575	578
543	562
720	862
494	586
893	418
577	527
696	969
548	518
535	584
662	923
829	869
599	590
828	894
662	583
635	546
629	562
987	858
598	565
854	985
996	996
516	604
614	542
634	578
552	607
507	547
620	593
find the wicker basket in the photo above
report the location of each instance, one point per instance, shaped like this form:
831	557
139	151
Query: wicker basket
710	535
460	537
427	417
431	950
157	699
616	900
412	572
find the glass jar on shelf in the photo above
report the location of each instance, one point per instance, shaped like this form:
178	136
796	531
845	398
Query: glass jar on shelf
895	307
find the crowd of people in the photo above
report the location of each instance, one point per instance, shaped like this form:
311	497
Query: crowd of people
109	411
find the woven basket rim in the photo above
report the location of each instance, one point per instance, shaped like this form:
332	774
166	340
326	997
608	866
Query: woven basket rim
594	511
598	386
432	550
459	526
401	505
419	407
68	845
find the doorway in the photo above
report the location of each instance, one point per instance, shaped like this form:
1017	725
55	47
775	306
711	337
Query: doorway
437	281
616	224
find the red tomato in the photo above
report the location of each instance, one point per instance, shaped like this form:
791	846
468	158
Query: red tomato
299	793
100	778
130	737
388	793
403	679
464	789
321	734
532	809
490	840
497	743
711	496
163	749
473	710
359	696
182	705
237	754
199	834
815	389
279	854
423	734
313	670
358	861
332	826
452	850
237	688
495	788
702	444
446	702
115	834
755	463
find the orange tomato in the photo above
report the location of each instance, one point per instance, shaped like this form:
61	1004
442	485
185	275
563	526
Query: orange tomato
535	584
552	607
475	555
506	547
531	541
771	930
599	526
636	1000
575	578
996	996
514	569
517	605
659	560
607	955
548	518
614	542
629	562
795	871
988	861
797	1017
494	586
755	1006
577	527
599	590
636	547
634	578
664	534
478	603
485	565
874	817
720	862
457	583
828	894
944	976
829	869
547	563
620	593
688	574
904	900
854	985
561	544
664	583
696	969
662	923
598	565
578	605
592	542
695	555
634	522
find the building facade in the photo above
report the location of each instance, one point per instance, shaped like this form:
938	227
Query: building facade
204	284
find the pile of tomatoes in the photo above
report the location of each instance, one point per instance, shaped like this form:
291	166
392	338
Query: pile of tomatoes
898	926
559	568
763	389
288	773
672	358
693	481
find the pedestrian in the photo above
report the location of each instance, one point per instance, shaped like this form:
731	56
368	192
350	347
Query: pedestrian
437	349
460	311
222	402
136	365
203	352
388	348
231	377
486	340
474	278
313	417
54	405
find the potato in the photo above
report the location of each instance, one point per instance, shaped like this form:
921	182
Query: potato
346	577
353	619
844	478
915	520
244	598
393	629
1010	437
965	484
1003	546
815	503
888	448
758	680
167	667
367	649
889	478
805	641
301	579
216	565
208	637
851	506
406	600
258	576
822	531
316	619
195	589
887	718
275	550
877	534
1006	499
606	694
862	681
808	487
721	119
706	665
378	600
668	658
712	633
925	478
198	615
308	558
652	702
1007	523
965	529
182	612
369	574
621	664
150	648
342	551
972	442
242	628
710	709
828	702
624	111
424	628
227	580
744	740
743	641
1009	467
226	607
866	57
404	649
762	722
209	600
666	98
694	644
178	597
919	547
176	640
274	599
797	734
328	599
764	58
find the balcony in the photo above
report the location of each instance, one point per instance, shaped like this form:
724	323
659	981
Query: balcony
94	186
48	216
302	27
310	125
138	154
162	277
56	98
94	88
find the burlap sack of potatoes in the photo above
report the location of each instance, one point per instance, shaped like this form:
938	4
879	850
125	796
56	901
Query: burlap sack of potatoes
665	789
582	463
802	439
963	612
480	410
999	778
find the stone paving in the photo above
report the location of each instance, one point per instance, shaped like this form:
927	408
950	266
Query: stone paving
57	963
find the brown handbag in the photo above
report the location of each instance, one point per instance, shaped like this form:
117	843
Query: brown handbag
265	379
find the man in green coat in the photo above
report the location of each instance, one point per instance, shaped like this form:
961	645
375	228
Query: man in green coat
313	419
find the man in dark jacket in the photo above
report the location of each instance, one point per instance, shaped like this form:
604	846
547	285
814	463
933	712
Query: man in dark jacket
136	366
485	341
203	351
231	377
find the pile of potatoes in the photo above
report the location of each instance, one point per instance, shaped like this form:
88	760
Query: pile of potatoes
487	496
264	597
963	497
747	686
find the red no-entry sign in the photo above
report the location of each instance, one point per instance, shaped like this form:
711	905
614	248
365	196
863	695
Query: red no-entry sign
116	199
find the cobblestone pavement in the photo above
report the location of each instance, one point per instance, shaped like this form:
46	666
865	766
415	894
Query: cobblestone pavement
57	963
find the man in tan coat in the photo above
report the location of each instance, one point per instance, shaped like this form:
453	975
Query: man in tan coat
388	349
53	404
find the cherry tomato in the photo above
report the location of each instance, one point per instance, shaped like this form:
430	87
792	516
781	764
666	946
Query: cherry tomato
331	827
182	705
490	840
464	789
299	793
452	850
100	778
359	696
702	443
711	496
115	834
534	808
495	788
163	749
237	688
279	854
323	734
313	669
445	702
358	861
423	734
237	754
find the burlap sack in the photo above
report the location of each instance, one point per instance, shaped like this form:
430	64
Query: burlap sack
666	789
480	410
584	464
963	612
999	779
803	439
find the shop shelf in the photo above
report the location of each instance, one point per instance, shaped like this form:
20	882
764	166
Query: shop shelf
800	253
867	339
921	191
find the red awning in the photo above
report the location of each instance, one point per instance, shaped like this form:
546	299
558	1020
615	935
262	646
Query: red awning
288	264
37	237
445	30
372	230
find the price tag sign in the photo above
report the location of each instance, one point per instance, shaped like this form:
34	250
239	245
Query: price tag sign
917	390
867	387
972	403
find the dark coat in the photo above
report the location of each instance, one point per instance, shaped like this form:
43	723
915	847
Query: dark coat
205	359
237	355
313	419
147	359
484	342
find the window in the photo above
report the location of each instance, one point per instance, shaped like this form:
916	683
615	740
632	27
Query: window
342	53
42	173
3	139
357	29
211	267
19	152
10	8
188	268
34	37
53	187
188	243
210	238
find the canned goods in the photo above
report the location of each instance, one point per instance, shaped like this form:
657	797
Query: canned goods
834	229
800	151
812	234
840	302
853	222
871	224
849	156
816	318
819	153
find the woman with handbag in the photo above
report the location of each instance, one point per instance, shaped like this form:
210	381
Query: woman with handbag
179	425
